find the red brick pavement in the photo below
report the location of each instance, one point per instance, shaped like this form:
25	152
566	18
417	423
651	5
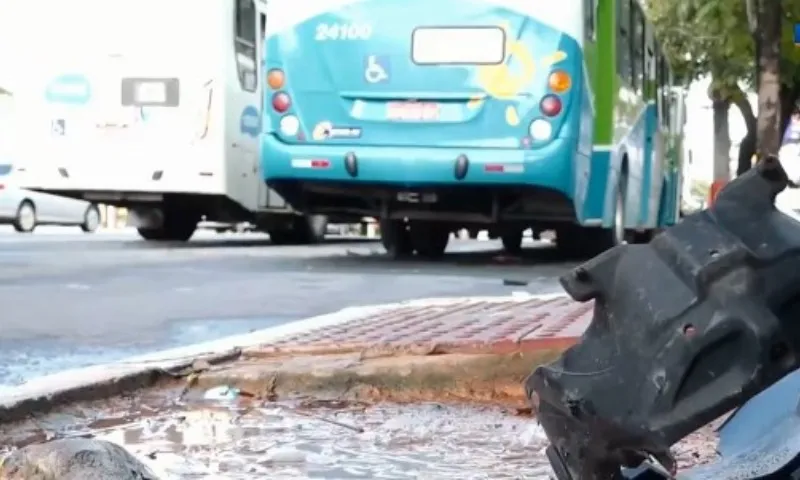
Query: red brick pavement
468	324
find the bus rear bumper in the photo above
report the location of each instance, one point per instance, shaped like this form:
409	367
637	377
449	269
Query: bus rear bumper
549	166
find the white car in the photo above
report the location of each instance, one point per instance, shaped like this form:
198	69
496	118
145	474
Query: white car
26	209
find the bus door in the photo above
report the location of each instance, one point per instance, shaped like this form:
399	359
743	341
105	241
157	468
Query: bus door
243	109
267	197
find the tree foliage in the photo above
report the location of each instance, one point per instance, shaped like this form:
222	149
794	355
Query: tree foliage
716	38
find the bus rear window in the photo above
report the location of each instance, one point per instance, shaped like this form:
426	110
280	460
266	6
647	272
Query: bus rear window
458	45
5	169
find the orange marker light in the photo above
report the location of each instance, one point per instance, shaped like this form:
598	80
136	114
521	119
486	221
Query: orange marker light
275	79
559	81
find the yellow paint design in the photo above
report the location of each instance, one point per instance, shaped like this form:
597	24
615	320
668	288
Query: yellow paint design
554	58
498	81
512	117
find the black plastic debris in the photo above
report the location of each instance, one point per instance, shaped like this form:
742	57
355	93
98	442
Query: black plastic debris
685	329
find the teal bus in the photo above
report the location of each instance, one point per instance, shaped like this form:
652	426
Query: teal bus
501	115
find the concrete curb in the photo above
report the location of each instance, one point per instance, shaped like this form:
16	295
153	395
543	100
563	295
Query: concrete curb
43	394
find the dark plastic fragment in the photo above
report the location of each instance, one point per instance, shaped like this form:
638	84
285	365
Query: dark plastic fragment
685	329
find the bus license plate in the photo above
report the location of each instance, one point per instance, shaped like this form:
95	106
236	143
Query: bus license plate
412	111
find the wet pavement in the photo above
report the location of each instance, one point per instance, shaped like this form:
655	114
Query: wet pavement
71	300
397	442
216	439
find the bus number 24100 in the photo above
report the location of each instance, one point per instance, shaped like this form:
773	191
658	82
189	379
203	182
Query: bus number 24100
343	31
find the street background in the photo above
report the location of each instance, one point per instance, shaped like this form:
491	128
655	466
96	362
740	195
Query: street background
70	299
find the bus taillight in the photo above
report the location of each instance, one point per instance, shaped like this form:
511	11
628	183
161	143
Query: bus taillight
559	81
550	105
281	102
276	79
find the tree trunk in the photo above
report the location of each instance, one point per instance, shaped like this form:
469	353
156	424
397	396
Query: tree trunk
722	140
747	147
768	39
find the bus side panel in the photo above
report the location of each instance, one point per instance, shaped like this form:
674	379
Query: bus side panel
601	179
590	210
242	104
671	195
651	170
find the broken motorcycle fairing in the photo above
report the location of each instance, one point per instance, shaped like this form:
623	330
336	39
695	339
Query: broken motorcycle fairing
685	329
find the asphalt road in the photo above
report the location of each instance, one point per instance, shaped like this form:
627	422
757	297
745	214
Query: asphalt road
69	299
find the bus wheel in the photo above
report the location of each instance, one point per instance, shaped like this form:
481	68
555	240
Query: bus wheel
512	241
153	234
396	238
302	230
429	239
577	241
178	226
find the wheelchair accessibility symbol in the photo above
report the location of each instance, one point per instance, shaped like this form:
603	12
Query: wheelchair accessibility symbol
376	69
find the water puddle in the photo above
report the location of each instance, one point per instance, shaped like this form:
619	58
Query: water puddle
183	435
369	442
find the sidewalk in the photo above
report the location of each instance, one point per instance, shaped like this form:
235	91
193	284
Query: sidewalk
422	389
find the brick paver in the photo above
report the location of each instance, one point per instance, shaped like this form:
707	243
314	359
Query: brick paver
468	324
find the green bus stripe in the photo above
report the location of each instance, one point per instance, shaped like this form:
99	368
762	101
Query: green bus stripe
604	81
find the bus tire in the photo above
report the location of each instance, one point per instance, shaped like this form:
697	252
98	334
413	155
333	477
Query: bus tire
302	230
577	241
512	241
430	239
151	234
283	236
396	238
178	226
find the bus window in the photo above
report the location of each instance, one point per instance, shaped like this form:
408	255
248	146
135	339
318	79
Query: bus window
650	63
624	40
637	45
245	44
658	65
590	7
262	25
5	170
664	88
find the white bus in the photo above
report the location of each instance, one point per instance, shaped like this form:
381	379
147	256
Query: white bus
153	105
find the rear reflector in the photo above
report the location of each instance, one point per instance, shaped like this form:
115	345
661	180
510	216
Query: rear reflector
310	163
503	168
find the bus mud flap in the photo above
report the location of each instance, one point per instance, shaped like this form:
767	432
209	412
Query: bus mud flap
685	329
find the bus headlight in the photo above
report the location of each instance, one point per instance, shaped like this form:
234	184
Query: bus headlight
540	130
290	125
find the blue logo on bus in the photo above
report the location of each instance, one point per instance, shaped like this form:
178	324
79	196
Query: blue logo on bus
73	89
250	121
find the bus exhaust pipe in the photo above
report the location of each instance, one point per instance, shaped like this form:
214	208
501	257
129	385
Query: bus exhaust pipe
685	329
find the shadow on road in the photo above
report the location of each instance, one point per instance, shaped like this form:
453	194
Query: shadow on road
375	256
236	242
